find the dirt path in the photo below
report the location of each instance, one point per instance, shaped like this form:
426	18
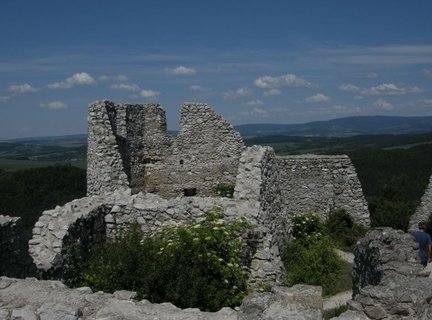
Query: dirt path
345	256
337	300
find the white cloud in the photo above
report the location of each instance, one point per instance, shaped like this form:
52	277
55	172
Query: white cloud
182	70
349	88
4	99
256	111
240	92
272	92
78	79
317	98
382	104
425	103
427	73
197	88
116	78
253	103
21	88
54	105
372	75
125	87
149	94
288	80
390	89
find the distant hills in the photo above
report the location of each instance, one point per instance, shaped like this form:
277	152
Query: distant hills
349	126
342	127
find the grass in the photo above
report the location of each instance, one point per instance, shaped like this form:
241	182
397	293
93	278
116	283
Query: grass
343	282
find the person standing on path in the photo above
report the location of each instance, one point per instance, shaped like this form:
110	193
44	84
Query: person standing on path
425	243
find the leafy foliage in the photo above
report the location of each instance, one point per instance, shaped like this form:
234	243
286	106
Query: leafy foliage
343	231
225	190
197	265
310	258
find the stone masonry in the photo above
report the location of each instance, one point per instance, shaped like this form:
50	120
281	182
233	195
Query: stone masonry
128	146
30	299
138	173
424	210
388	280
14	258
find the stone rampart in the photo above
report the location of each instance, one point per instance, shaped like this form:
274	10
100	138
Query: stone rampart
424	210
31	299
320	184
137	173
14	258
93	218
128	146
388	280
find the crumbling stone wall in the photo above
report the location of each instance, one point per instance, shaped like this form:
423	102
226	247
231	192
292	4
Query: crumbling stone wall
388	280
92	218
129	146
14	258
317	183
33	299
424	210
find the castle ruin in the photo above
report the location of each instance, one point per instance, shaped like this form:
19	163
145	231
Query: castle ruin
137	172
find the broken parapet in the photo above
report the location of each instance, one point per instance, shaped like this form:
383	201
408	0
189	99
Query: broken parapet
128	146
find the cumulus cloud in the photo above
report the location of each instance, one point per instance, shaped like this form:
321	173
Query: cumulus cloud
382	104
240	92
288	80
125	87
349	88
317	98
149	94
256	111
272	92
182	70
372	75
78	79
116	78
21	88
4	99
427	73
425	103
390	89
197	88
252	103
54	105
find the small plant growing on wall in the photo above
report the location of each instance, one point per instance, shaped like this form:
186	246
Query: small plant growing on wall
196	265
224	190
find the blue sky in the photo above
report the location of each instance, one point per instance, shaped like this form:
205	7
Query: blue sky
252	61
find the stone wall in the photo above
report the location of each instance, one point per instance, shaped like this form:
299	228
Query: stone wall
315	183
31	299
14	258
424	210
92	218
388	280
128	145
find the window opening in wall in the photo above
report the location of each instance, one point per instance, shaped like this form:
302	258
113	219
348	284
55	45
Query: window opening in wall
189	192
181	161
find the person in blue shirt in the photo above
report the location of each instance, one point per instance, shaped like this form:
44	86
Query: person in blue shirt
425	243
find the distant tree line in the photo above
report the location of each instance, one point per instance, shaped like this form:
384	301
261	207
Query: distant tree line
26	193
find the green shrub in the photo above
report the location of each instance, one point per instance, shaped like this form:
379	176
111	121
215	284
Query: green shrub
225	190
197	265
310	257
307	227
343	230
314	263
